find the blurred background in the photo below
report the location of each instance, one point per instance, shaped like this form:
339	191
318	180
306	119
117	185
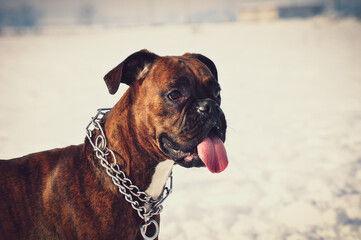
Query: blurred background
35	14
291	91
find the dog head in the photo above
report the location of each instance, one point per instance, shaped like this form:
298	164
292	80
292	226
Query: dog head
175	102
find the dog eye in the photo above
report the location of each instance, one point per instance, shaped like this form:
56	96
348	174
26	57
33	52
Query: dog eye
175	96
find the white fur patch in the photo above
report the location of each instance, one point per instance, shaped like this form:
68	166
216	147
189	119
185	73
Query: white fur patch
159	178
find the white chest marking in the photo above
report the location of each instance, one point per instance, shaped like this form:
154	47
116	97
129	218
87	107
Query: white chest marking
159	178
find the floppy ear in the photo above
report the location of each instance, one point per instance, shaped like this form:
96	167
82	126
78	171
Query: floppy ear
127	71
208	62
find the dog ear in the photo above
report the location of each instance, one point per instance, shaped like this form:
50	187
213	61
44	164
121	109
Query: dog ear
128	71
208	62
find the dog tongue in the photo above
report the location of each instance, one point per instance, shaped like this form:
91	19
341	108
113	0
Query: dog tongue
213	153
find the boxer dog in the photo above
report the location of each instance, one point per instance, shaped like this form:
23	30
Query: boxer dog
170	115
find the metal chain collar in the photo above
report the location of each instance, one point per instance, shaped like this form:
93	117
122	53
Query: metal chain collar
148	206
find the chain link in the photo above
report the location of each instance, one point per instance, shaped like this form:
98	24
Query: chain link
149	206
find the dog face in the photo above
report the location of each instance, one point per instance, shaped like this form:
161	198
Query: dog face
178	105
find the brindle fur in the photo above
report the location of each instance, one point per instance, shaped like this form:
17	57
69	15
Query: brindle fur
66	194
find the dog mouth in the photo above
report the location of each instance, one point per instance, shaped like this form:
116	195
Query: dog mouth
173	150
208	151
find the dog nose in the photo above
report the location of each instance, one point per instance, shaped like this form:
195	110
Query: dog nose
206	106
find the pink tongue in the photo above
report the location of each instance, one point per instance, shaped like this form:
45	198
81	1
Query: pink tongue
213	153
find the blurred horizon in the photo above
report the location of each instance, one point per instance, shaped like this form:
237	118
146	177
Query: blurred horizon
37	14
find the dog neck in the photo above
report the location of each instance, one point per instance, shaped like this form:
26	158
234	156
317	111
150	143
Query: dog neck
159	178
147	169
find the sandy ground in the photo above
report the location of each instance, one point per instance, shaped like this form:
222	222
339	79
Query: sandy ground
291	91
